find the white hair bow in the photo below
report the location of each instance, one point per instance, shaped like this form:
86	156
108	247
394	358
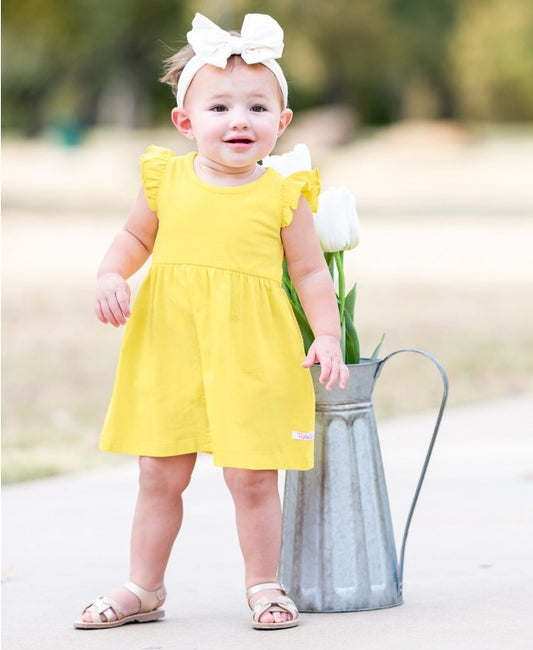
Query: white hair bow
261	41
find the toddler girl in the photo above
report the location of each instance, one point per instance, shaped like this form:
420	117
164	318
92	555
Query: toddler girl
211	359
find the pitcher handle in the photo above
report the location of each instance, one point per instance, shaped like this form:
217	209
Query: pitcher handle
430	448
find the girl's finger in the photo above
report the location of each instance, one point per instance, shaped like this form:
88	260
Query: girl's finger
310	358
326	370
123	299
117	308
344	376
99	312
108	313
334	374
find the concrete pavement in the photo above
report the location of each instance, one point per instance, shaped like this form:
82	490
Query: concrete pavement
468	572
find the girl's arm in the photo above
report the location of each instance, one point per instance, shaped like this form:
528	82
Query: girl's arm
310	275
128	252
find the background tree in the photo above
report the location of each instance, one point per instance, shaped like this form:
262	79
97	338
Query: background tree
491	54
86	62
69	60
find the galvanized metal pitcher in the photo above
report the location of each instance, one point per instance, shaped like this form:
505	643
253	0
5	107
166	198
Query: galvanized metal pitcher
338	552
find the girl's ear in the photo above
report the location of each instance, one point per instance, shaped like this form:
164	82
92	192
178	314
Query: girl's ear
284	120
182	122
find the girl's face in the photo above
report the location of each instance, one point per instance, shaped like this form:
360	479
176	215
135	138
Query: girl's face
235	115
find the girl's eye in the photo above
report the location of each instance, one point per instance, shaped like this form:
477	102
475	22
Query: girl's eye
258	108
219	108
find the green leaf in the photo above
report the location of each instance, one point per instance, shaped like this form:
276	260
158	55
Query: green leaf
350	352
305	329
330	261
289	290
342	342
353	352
349	303
378	348
289	287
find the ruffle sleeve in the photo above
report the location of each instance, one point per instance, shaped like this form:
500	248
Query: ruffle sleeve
153	164
303	182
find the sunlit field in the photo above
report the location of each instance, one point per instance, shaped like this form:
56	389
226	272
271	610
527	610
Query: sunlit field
444	264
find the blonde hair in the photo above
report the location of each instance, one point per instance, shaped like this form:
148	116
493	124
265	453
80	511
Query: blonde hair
173	66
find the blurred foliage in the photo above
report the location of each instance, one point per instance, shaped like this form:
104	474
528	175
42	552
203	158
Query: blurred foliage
491	52
81	62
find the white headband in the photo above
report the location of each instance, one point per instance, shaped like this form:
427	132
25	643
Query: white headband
261	41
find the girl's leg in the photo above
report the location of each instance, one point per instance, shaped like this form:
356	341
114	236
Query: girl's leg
157	520
158	516
258	514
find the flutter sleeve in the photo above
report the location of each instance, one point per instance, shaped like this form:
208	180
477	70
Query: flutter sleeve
153	164
303	182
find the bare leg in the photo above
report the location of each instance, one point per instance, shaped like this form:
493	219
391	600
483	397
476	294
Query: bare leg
157	520
258	515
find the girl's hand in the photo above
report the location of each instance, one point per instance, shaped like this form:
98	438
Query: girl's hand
112	301
326	351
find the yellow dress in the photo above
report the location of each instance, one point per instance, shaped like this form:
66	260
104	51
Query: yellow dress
211	355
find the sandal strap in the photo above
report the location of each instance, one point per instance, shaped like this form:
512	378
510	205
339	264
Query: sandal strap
149	599
280	605
264	586
106	607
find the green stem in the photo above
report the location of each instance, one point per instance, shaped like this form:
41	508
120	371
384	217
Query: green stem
339	261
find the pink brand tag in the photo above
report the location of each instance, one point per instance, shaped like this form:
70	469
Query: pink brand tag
299	435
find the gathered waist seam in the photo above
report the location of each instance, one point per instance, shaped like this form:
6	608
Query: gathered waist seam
218	268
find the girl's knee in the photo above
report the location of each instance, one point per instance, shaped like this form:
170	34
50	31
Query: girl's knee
251	484
165	476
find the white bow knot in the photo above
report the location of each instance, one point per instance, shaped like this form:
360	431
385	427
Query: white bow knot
261	39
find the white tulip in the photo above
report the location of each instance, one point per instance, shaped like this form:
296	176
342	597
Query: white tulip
336	221
297	160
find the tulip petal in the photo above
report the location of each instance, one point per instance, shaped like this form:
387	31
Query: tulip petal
336	220
297	160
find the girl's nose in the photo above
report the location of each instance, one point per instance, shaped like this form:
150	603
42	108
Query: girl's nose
239	119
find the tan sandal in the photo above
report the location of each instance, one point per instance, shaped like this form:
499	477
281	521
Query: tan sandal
113	614
283	604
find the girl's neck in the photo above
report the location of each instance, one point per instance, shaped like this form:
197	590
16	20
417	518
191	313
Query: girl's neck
214	174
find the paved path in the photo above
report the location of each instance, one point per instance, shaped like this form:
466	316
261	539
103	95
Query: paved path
468	573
